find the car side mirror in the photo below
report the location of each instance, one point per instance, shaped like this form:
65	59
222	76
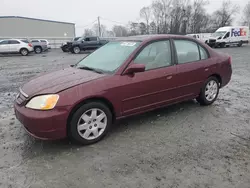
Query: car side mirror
134	68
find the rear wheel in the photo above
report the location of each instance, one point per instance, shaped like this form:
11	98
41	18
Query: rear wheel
24	52
38	50
209	91
90	123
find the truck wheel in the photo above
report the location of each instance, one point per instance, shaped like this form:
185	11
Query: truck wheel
240	44
38	50
222	45
76	50
24	52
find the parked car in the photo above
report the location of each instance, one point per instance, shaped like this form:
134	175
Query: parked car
65	47
86	43
21	46
39	46
125	77
47	42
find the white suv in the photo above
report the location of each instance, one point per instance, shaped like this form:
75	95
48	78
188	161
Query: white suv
21	46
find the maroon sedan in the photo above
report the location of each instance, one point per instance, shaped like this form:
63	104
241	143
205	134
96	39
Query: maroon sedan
125	77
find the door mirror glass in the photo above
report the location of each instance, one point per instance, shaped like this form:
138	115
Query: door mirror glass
134	68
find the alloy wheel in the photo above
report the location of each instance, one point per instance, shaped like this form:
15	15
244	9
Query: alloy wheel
92	124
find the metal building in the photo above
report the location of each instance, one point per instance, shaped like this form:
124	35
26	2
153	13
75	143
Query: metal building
32	28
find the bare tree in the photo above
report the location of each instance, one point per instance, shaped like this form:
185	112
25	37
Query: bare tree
180	15
145	13
157	10
225	15
246	15
96	29
120	31
199	18
88	32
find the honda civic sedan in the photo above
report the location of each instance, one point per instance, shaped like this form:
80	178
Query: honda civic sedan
125	77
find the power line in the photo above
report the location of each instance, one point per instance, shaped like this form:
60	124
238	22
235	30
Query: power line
86	25
113	21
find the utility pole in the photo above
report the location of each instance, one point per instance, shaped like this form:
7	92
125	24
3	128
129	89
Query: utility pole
99	26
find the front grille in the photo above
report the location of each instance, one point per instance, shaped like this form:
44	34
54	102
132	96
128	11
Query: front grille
212	41
69	43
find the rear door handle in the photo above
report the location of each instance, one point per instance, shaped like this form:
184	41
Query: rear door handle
206	69
169	77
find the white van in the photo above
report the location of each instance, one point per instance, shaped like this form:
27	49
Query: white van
201	36
227	36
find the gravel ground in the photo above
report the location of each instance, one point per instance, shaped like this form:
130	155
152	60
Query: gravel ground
184	145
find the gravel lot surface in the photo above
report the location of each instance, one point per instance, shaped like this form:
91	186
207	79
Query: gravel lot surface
184	145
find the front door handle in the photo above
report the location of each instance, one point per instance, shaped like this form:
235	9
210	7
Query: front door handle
206	69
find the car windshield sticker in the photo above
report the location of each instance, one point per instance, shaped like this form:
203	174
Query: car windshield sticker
128	43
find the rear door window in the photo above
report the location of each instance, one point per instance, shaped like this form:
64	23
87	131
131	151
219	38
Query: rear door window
14	42
203	52
35	41
187	51
93	38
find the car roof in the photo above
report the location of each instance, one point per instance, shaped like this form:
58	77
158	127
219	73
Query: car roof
142	38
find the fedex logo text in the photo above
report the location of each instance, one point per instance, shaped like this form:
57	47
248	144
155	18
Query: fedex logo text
238	32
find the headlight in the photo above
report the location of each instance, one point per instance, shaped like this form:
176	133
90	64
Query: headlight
43	102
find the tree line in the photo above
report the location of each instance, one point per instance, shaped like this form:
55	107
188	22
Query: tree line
178	17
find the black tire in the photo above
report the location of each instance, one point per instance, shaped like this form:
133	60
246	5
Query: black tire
38	49
240	44
202	99
65	49
76	50
222	45
72	130
24	52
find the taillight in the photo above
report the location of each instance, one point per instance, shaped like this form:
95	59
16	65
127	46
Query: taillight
30	45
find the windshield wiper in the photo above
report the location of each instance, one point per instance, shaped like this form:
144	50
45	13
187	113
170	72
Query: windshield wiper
90	69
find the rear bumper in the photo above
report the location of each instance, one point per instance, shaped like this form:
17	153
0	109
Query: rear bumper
45	125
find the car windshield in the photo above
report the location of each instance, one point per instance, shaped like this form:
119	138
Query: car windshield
109	57
80	39
219	33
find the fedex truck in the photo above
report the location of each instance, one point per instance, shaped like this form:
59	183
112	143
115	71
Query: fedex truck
229	36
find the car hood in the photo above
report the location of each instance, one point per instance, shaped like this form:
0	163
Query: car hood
55	82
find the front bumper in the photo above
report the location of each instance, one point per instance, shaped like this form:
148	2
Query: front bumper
45	125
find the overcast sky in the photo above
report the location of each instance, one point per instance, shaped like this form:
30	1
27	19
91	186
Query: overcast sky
84	12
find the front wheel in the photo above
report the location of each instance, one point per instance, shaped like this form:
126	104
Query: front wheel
76	50
240	44
90	123
209	92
